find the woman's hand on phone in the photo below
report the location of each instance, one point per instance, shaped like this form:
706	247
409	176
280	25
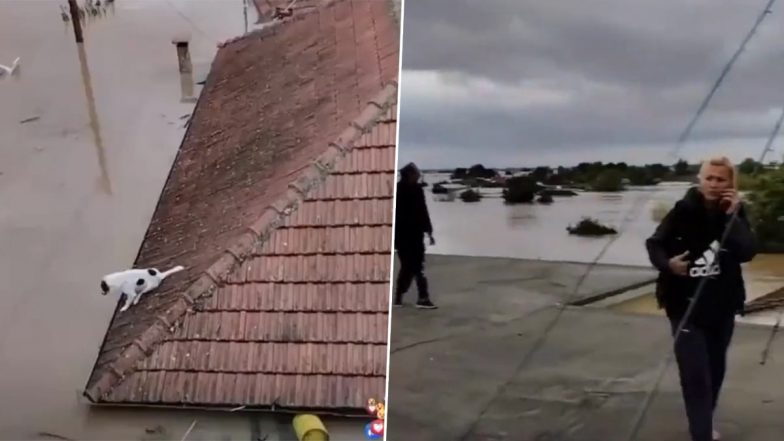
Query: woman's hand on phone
731	200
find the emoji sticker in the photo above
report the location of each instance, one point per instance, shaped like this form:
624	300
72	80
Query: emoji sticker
377	427
372	406
369	434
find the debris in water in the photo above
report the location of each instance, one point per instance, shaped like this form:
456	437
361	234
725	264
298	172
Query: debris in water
55	436
188	432
31	119
157	433
64	15
5	70
154	430
590	227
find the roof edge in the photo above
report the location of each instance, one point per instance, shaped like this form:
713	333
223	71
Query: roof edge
341	412
256	234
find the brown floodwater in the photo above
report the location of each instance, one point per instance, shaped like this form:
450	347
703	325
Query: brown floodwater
79	179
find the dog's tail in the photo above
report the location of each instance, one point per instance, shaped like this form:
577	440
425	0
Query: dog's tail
176	269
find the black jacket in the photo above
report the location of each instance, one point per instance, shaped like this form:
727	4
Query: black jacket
412	219
690	226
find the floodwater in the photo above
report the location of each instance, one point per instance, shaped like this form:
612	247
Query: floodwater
536	231
79	181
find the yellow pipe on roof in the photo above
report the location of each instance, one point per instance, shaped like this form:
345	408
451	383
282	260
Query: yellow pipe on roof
310	428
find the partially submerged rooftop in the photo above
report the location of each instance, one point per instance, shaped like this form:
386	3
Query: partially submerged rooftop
279	205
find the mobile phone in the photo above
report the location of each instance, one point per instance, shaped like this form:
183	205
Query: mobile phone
725	203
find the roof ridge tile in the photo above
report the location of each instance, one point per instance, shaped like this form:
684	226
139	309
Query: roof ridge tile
346	139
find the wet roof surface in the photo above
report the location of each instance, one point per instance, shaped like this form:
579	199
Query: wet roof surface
302	319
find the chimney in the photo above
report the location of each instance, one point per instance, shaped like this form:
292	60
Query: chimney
183	54
186	69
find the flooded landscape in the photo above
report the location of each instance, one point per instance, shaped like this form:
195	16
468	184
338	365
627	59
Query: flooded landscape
89	134
538	231
490	228
87	142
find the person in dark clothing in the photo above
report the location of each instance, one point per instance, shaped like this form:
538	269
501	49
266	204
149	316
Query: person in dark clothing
686	248
412	223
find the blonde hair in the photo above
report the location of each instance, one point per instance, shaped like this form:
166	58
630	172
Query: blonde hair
721	161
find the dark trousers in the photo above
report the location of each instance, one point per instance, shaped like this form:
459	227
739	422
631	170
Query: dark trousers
701	353
412	267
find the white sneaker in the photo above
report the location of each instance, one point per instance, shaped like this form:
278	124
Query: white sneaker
716	436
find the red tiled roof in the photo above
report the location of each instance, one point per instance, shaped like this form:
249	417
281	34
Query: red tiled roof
769	301
284	298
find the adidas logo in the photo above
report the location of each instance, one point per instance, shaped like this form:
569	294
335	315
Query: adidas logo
706	265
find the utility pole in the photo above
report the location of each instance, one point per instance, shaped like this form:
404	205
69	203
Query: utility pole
245	13
77	24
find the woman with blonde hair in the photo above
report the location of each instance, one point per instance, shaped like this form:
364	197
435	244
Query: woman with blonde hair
687	248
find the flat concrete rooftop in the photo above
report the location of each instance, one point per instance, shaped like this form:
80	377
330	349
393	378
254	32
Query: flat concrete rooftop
458	367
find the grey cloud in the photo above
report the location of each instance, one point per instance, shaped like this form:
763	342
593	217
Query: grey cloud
655	59
605	40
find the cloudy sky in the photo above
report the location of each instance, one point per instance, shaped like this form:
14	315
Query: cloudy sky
531	82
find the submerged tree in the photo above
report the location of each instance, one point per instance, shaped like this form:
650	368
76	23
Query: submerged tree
471	196
475	171
609	180
520	190
681	168
590	227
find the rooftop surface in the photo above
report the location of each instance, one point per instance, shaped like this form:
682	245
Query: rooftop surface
455	371
279	205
